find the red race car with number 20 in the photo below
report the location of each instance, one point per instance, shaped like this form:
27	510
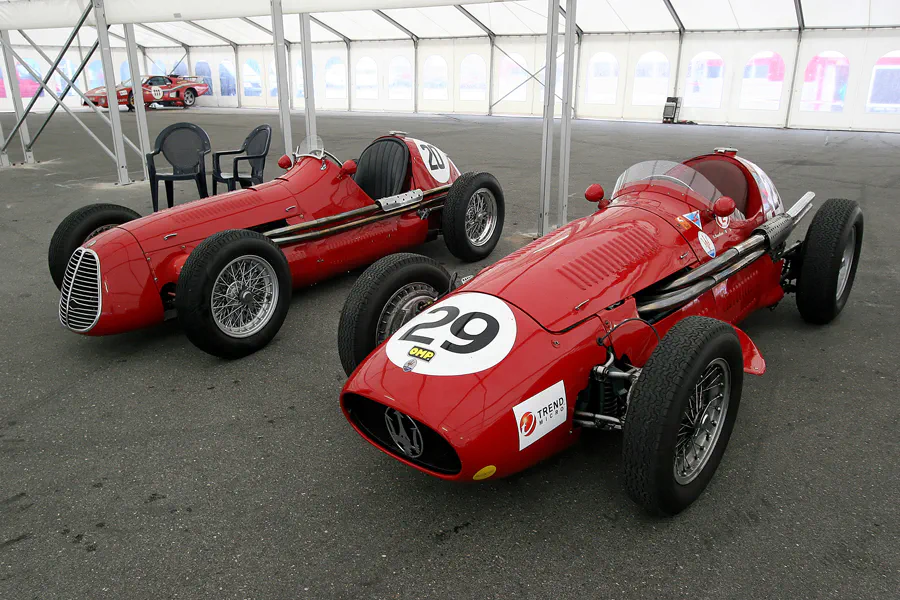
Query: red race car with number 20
622	320
166	90
226	265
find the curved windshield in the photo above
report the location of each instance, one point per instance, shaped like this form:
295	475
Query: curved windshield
666	172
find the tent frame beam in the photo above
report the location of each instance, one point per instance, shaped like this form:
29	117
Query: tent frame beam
681	32
281	75
565	131
411	35
112	101
801	26
552	40
140	109
309	92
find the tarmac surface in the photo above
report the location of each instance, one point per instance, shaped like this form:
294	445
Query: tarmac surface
137	466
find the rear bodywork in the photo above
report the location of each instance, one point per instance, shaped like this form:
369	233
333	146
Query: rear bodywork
323	221
590	288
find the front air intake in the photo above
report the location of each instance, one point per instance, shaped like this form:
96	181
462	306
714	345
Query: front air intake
79	300
401	435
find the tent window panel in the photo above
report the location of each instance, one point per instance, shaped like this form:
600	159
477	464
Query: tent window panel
273	81
400	79
435	78
227	79
95	74
251	77
298	81
180	69
2	85
602	79
202	70
513	75
367	79
703	81
763	82
473	78
884	89
651	80
124	71
335	78
825	83
65	66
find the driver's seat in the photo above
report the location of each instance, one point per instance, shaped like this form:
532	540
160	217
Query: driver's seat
382	168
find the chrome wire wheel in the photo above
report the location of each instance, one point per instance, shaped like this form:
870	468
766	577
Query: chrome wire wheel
405	304
702	421
481	217
100	230
244	296
846	263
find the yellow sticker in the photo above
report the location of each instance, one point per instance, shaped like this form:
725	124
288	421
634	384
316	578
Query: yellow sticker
484	473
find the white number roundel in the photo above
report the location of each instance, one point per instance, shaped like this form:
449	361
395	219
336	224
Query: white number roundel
466	333
156	91
437	162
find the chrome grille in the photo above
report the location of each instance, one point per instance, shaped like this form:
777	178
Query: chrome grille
79	301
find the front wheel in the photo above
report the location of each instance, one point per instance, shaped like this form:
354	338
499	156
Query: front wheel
473	215
79	227
385	297
189	98
131	102
828	260
233	293
681	413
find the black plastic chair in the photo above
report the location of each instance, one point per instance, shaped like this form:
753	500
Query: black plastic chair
185	146
255	148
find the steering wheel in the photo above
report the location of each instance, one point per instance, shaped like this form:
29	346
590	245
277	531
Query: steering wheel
669	178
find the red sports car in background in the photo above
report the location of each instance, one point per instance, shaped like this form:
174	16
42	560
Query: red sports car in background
622	320
166	90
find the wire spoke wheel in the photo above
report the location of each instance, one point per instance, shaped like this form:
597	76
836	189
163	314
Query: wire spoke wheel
403	305
846	264
702	421
244	296
481	217
100	230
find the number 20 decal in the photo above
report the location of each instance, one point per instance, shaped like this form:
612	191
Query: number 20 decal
437	163
472	332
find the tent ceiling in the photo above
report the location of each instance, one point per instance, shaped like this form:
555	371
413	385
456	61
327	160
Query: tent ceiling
737	14
361	25
514	18
435	22
603	16
842	13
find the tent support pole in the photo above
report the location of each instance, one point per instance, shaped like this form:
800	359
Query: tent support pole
549	108
109	77
24	137
801	25
416	75
281	67
309	93
491	70
680	26
239	84
140	109
565	131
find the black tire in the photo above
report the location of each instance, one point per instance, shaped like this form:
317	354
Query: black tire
193	293
131	102
190	97
79	227
357	330
659	400
453	223
820	260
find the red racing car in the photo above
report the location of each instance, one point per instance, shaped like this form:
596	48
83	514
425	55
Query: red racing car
622	320
166	90
226	265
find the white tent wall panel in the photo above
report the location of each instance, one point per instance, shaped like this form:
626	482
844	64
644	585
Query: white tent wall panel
28	86
644	99
382	76
217	65
258	88
737	77
444	84
329	76
529	53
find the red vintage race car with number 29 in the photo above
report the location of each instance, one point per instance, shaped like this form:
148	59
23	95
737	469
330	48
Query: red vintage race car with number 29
226	265
622	320
166	90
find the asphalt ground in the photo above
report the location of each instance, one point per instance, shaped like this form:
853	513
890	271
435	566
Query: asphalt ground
136	466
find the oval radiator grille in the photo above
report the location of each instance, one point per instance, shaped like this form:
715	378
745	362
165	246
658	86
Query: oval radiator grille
79	301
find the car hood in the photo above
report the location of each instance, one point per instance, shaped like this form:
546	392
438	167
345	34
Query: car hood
588	265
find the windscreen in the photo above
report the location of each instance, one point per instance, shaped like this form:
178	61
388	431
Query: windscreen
666	171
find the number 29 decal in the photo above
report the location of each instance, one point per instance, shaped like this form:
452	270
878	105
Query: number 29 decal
466	333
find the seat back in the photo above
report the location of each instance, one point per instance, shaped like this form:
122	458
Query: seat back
257	144
382	168
183	145
728	179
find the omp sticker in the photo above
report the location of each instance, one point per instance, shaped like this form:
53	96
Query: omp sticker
540	414
723	222
466	333
437	162
694	217
156	92
708	246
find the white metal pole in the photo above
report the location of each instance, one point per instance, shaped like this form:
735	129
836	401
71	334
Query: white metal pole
309	94
112	101
4	157
13	83
138	90
565	132
281	67
549	107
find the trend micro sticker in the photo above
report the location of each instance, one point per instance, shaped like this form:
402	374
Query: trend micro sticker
707	244
467	333
435	160
540	414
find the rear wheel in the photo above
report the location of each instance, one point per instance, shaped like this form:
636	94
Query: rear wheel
190	96
472	220
681	414
233	293
79	227
130	101
386	296
828	260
